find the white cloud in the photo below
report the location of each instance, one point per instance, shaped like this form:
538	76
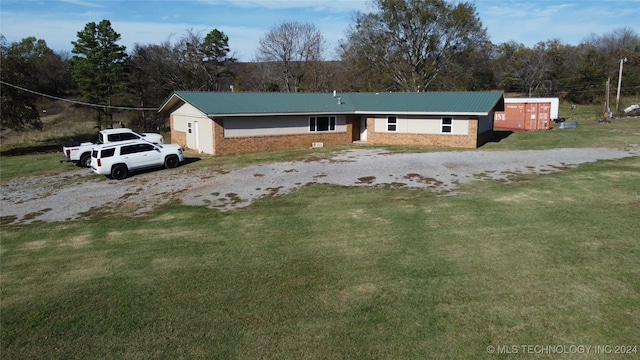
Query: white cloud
57	33
245	21
569	21
85	3
551	10
320	5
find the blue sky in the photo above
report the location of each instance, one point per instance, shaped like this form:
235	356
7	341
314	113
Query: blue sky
246	21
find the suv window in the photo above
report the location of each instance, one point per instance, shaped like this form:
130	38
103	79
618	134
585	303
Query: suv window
108	152
131	149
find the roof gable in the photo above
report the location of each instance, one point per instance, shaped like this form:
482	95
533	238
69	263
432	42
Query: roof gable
242	103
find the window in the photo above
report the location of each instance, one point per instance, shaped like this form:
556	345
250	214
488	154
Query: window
129	149
108	152
128	136
189	126
137	148
322	123
146	147
392	123
446	124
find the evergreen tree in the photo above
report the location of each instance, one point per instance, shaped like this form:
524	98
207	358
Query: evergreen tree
99	66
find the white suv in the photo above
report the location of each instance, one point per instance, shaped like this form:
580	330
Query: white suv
117	160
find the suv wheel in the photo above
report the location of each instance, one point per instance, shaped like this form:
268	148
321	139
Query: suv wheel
171	161
119	171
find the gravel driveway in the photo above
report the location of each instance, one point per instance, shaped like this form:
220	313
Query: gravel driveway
79	192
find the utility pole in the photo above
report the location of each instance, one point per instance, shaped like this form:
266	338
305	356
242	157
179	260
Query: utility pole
622	61
606	105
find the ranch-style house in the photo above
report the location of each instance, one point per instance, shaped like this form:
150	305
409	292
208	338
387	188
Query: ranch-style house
241	122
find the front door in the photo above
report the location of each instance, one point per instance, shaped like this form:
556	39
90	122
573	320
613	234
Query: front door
355	127
363	129
197	135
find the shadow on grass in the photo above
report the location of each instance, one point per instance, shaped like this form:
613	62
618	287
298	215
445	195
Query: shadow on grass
31	150
187	161
52	145
499	135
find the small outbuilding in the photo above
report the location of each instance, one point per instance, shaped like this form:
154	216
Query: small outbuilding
227	122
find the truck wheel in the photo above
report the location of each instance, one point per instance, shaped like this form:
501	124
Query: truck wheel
171	161
85	160
119	172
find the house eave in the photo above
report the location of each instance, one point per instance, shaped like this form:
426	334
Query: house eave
421	113
312	113
365	113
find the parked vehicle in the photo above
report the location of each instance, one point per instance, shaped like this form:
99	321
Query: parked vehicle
632	108
117	160
80	153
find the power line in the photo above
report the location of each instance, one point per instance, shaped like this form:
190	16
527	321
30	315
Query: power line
77	102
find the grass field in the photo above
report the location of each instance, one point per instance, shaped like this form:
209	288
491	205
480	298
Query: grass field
339	272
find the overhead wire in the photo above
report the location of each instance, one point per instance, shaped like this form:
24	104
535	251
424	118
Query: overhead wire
75	101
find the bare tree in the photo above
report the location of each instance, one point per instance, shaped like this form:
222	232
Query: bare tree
202	62
151	79
622	39
295	47
412	41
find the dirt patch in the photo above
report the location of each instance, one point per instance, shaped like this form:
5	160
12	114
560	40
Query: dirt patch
366	180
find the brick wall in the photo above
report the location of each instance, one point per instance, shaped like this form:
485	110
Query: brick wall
177	137
252	144
436	140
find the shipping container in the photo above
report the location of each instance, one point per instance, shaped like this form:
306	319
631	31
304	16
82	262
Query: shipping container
526	114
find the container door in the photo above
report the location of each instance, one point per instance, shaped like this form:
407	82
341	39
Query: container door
513	117
544	116
533	116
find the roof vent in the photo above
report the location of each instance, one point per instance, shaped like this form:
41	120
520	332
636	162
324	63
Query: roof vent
339	100
334	93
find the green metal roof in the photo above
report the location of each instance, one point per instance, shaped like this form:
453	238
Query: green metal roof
245	103
239	103
426	102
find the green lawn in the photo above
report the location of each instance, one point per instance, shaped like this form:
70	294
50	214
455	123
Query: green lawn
337	272
334	272
589	133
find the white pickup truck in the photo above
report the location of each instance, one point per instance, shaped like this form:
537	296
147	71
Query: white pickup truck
80	153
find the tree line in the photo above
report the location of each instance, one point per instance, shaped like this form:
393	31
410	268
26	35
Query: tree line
402	45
